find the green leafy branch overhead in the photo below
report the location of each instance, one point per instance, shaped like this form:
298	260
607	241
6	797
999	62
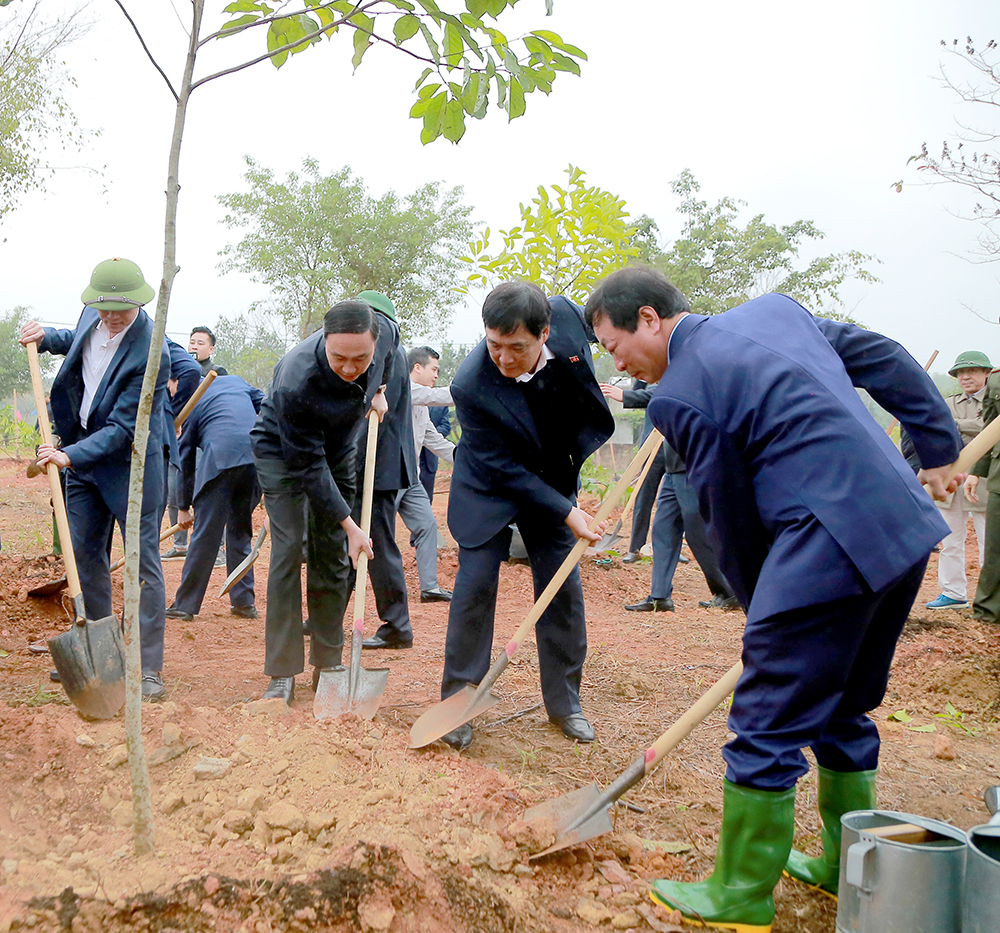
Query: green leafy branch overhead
465	55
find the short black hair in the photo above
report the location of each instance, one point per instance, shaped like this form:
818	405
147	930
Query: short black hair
205	331
620	296
515	303
351	317
421	356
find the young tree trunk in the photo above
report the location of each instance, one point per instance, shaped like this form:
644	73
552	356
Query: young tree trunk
144	829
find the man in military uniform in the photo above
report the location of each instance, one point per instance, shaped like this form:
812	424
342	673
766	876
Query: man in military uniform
970	369
986	606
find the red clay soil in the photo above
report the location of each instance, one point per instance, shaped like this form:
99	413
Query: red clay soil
338	825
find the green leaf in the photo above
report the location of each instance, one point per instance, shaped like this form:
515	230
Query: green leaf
432	45
433	118
453	124
454	47
423	77
901	715
564	63
362	40
516	105
275	40
236	24
930	727
406	27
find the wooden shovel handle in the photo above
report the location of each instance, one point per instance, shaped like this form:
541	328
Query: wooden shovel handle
627	511
645	453
118	564
55	485
981	444
367	495
195	398
704	705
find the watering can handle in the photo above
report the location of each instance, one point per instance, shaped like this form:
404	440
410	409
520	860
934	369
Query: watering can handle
860	868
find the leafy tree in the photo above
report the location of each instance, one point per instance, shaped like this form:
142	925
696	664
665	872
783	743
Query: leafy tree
461	45
971	161
569	238
32	105
250	345
314	239
718	263
14	376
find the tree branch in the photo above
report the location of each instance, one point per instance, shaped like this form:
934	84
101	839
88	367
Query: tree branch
149	54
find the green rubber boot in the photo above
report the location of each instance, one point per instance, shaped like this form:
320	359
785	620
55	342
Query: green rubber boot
756	837
839	793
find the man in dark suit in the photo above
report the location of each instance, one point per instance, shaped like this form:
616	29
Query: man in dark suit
826	535
395	469
531	413
218	477
185	374
95	398
305	448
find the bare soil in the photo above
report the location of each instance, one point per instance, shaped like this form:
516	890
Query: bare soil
338	825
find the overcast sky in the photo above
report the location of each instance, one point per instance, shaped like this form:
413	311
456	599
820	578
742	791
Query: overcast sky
803	110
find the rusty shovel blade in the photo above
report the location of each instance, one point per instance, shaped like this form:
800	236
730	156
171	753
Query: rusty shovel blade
90	659
448	715
566	811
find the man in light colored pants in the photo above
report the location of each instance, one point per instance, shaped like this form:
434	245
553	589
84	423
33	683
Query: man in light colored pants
971	370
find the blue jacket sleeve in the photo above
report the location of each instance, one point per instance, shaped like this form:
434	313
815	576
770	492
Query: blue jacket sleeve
899	384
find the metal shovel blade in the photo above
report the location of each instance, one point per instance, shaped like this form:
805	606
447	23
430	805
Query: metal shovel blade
610	538
90	659
448	715
565	811
50	588
244	565
333	692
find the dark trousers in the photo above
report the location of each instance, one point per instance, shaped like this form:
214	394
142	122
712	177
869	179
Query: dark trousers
677	515
91	524
561	632
224	504
644	499
327	572
428	471
173	482
385	569
810	677
987	602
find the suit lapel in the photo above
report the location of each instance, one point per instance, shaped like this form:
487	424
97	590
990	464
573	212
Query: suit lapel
508	393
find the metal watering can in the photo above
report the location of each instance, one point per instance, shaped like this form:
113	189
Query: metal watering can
981	910
901	873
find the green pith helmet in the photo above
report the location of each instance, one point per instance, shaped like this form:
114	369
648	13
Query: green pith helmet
380	302
117	285
971	359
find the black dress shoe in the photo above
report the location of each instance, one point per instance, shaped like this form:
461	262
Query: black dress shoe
281	688
243	612
718	601
173	613
387	641
575	726
460	738
649	604
436	595
631	557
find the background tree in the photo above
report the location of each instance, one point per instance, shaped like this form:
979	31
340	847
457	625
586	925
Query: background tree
719	263
14	376
314	239
971	159
461	45
32	102
250	344
568	239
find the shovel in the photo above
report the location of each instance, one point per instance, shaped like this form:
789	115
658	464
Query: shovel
244	565
356	689
90	657
583	814
611	538
470	701
54	586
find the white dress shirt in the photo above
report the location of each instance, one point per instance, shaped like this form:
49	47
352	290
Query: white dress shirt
98	352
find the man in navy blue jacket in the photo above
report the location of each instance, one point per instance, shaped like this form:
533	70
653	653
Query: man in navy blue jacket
222	485
95	398
531	413
822	531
